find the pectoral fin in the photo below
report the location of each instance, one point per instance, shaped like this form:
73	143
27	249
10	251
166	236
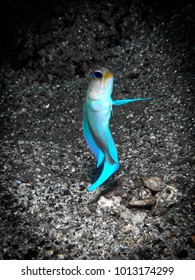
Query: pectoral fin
124	101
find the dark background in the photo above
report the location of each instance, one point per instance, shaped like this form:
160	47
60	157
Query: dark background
48	49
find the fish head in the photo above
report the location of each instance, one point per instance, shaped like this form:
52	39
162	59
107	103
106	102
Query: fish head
101	84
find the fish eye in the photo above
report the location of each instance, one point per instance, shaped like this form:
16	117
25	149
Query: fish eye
97	74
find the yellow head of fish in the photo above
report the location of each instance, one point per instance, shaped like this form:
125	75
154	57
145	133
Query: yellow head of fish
101	84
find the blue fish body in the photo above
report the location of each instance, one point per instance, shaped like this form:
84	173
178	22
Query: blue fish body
96	115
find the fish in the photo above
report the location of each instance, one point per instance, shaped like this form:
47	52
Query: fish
97	110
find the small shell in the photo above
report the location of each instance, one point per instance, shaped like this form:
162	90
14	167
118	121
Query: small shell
151	201
169	196
153	183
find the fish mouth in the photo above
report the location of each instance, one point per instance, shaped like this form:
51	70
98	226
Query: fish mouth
107	74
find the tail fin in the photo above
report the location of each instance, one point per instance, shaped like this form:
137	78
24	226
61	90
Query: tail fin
107	171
